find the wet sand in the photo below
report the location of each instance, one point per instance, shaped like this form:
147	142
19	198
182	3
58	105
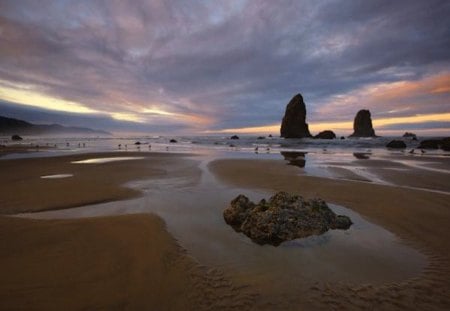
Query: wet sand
21	148
132	262
420	218
110	263
416	171
23	189
127	262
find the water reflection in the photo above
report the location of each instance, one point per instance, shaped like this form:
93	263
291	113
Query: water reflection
362	155
106	160
194	215
294	158
56	176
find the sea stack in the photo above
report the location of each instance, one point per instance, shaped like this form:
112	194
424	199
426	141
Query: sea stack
362	125
294	121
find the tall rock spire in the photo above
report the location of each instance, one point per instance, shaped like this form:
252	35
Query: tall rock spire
294	121
362	125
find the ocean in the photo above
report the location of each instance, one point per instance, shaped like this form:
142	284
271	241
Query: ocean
208	144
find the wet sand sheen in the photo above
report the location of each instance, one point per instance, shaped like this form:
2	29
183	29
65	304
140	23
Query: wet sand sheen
194	216
24	191
364	254
388	206
420	218
110	263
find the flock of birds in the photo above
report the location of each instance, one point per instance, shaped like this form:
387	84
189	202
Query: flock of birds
257	148
138	147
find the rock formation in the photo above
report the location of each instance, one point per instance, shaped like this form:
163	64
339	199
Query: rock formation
410	135
284	217
396	144
294	121
430	144
443	144
362	125
326	135
234	137
16	137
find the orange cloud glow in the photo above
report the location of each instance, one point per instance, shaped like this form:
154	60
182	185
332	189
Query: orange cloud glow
430	85
394	97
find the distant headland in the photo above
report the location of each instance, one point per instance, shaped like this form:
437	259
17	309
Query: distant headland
11	126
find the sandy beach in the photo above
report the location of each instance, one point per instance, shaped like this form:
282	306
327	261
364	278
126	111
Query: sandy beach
420	218
23	189
131	261
113	263
108	263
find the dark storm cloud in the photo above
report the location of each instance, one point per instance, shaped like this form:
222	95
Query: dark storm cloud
236	63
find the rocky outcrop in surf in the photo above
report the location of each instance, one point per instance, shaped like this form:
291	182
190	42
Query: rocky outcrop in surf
443	144
16	137
326	135
410	135
294	123
362	125
396	144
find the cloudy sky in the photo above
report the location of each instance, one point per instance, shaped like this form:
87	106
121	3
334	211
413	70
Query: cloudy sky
198	66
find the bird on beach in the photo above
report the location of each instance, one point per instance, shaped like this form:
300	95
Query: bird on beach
256	149
119	146
423	151
412	151
149	146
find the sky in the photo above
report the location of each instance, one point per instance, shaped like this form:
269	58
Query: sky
212	67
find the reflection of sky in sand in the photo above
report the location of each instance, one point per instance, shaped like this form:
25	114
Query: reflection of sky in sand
366	253
423	165
106	160
351	160
57	176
